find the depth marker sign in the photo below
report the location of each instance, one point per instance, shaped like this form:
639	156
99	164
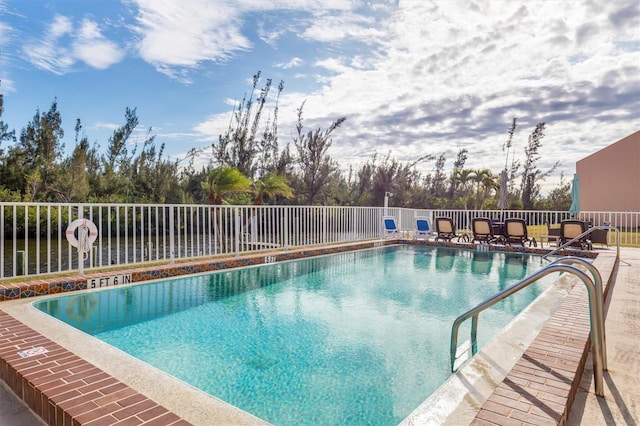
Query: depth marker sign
109	281
33	352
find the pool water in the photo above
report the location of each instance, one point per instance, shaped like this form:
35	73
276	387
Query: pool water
354	338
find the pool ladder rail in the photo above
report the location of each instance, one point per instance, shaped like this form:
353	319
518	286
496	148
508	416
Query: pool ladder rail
596	314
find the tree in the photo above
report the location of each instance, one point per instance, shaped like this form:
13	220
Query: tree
461	159
559	198
223	182
238	147
316	166
272	185
463	177
73	185
531	175
40	150
438	181
5	135
485	182
116	182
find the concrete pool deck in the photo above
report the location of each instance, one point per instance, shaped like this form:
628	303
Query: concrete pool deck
628	408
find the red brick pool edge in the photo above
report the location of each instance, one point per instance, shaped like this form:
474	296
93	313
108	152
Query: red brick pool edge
64	389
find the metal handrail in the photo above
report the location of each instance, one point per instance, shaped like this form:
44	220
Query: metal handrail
596	316
585	233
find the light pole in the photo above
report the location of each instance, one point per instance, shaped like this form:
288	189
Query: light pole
386	202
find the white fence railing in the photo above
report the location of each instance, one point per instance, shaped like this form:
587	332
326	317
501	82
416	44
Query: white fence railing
33	235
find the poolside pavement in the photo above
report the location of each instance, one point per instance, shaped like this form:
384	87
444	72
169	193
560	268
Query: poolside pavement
621	402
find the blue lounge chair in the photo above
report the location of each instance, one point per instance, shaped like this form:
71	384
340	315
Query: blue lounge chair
422	228
390	227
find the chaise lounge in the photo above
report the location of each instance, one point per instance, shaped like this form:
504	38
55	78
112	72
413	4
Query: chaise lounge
445	229
515	231
572	229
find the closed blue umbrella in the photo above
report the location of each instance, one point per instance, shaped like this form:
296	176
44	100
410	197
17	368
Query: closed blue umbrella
575	196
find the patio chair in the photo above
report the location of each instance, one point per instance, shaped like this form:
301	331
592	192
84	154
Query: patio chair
515	232
422	228
445	229
570	229
482	230
600	236
390	227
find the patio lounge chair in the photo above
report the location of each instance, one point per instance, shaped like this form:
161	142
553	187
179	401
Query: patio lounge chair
570	229
600	236
445	229
515	231
422	228
390	227
482	230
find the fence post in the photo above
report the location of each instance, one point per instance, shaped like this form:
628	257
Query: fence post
236	213
94	256
172	239
20	262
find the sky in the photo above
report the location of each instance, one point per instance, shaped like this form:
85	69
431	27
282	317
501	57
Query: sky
412	77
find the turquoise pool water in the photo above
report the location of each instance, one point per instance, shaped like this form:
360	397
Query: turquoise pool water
354	338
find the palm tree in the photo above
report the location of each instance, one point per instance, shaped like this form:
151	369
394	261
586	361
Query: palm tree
224	181
463	177
270	186
221	183
484	182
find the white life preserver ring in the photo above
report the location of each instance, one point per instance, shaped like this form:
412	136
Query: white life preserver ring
85	224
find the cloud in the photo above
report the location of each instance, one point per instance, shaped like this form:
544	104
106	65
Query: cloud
91	47
183	34
61	46
328	28
458	81
178	37
293	63
46	53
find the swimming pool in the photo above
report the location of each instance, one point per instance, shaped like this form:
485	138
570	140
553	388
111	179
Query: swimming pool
359	337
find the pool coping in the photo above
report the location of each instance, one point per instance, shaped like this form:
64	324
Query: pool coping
503	401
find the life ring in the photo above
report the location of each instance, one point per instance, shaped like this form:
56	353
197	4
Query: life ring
85	241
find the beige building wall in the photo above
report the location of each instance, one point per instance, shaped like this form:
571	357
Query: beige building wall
610	178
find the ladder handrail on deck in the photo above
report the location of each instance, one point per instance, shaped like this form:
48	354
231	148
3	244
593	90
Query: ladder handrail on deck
596	312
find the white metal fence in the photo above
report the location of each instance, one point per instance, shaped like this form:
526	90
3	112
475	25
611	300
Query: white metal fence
33	235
